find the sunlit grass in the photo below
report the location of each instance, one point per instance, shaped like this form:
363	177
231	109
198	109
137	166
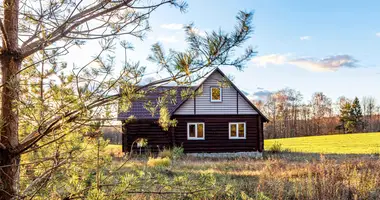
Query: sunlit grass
114	147
359	143
115	150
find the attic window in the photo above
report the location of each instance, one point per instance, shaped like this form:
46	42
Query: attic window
216	94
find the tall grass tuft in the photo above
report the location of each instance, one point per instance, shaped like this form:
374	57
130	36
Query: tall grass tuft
277	148
159	162
175	153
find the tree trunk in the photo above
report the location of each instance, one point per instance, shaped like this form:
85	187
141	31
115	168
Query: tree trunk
10	61
9	174
9	161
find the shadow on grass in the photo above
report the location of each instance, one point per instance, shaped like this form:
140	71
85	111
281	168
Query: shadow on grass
301	157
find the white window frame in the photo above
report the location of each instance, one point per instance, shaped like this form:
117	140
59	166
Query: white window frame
196	131
221	94
237	131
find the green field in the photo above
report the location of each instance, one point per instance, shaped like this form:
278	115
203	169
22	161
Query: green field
359	143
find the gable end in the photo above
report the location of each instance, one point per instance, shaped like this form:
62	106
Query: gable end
234	102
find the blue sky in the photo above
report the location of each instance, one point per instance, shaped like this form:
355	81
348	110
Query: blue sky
325	46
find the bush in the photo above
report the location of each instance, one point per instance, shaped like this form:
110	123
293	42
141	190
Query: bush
277	148
175	153
159	162
166	153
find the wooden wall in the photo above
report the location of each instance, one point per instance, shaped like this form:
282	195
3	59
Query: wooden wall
157	138
216	134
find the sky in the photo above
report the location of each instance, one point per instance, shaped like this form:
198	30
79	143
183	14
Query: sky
310	46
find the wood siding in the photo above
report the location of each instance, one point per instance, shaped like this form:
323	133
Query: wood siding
216	134
232	102
157	138
244	107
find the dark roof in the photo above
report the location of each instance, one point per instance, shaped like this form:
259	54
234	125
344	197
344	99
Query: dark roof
139	112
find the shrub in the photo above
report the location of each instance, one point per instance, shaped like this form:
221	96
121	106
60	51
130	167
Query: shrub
277	148
177	152
159	162
165	153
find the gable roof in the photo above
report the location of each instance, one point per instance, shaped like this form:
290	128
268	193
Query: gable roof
137	110
234	86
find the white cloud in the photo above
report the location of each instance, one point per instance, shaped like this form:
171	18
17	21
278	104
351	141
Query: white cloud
378	34
330	63
172	26
305	37
275	59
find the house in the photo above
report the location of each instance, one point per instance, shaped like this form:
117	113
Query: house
219	120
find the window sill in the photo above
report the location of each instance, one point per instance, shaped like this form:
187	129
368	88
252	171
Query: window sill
238	138
195	139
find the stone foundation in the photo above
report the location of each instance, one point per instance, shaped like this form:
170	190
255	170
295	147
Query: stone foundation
252	154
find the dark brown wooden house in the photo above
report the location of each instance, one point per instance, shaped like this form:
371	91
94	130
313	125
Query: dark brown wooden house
220	119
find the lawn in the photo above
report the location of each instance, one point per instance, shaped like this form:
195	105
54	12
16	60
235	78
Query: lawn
359	143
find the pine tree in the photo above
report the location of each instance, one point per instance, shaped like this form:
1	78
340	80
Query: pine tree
47	107
357	115
346	118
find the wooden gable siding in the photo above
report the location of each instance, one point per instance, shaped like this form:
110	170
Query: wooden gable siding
157	138
232	101
217	135
244	107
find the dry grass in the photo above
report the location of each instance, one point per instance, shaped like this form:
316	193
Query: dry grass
349	171
286	176
159	162
114	150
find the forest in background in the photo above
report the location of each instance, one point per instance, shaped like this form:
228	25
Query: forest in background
291	116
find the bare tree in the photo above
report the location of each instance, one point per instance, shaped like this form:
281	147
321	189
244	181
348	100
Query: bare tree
321	105
368	104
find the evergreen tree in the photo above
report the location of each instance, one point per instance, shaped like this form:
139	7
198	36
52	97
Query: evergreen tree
345	117
357	115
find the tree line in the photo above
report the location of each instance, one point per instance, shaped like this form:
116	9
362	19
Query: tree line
291	116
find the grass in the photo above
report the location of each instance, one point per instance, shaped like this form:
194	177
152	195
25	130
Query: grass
359	143
347	171
114	147
115	150
275	177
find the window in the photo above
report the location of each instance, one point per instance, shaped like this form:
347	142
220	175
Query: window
237	130
195	131
216	94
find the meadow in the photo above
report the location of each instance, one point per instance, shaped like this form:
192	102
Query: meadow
318	167
358	143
